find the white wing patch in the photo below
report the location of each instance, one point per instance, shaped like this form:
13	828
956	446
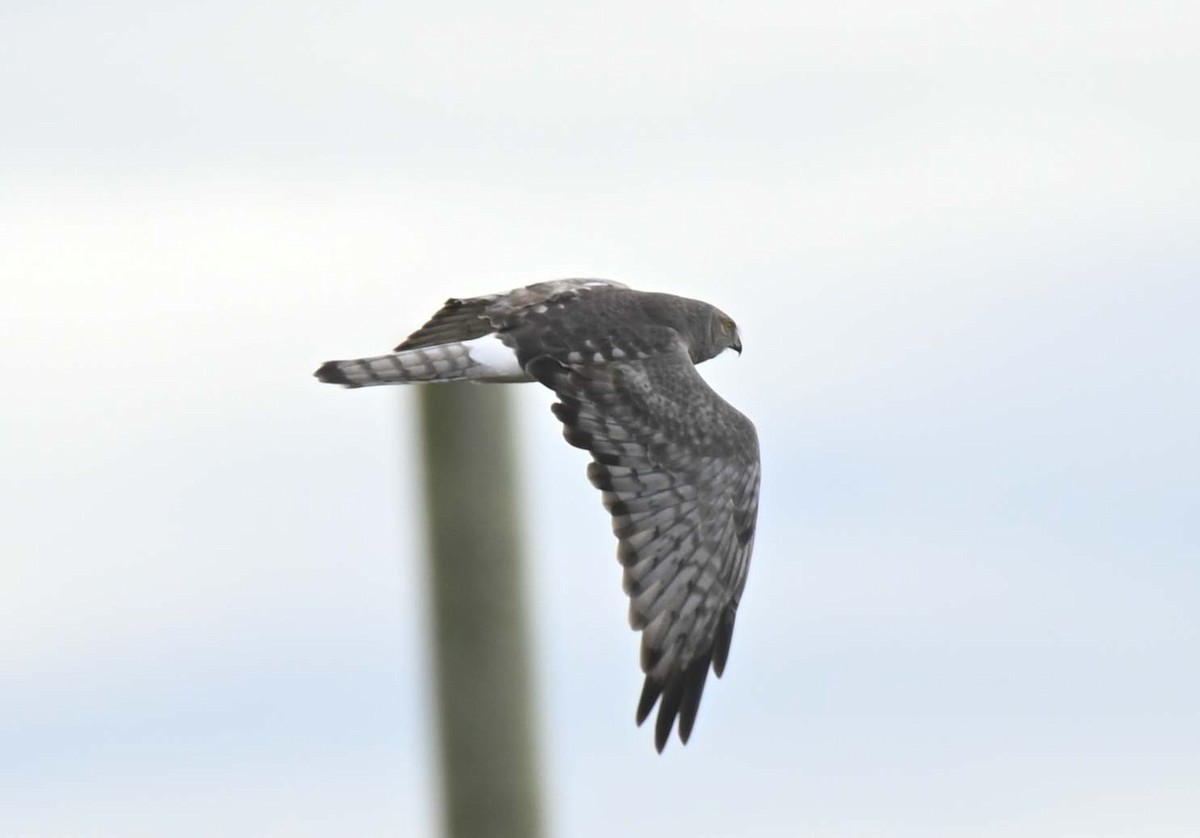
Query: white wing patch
495	360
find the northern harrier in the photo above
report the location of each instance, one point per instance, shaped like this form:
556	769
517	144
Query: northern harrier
677	465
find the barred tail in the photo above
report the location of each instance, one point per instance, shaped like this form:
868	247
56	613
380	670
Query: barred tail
472	360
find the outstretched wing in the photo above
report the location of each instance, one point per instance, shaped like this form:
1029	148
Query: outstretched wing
460	320
679	469
455	322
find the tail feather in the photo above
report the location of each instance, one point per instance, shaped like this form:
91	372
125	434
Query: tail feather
470	360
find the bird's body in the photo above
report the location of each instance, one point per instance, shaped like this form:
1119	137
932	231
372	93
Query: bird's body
677	465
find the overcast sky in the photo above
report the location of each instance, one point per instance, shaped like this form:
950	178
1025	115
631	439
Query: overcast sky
961	243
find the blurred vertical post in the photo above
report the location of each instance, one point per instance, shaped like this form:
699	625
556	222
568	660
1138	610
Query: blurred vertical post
490	778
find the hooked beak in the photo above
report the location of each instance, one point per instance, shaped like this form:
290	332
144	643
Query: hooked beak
736	346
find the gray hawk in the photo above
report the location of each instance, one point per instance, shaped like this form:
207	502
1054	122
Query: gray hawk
677	465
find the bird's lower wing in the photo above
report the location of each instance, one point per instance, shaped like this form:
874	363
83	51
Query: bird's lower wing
679	472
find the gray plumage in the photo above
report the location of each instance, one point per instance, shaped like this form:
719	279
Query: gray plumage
677	466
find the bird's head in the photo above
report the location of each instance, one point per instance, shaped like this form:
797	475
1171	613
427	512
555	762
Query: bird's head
724	333
706	330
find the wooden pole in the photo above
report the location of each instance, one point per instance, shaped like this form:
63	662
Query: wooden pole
483	671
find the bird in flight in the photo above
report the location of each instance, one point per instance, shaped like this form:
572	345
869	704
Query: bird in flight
678	467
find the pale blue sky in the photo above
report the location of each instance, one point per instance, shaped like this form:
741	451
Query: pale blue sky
961	245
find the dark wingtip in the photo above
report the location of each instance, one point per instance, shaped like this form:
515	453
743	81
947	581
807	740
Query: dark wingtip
723	640
668	711
650	693
644	708
331	373
678	700
695	677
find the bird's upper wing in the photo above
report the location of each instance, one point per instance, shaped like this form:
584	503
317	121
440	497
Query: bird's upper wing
679	469
465	319
456	321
